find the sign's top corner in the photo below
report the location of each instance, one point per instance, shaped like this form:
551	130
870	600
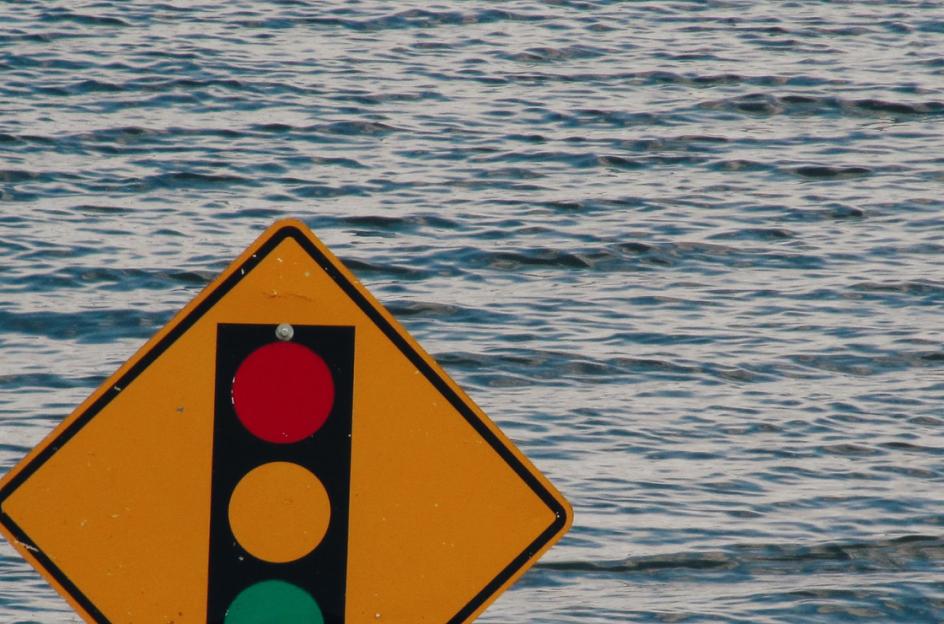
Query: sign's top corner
287	226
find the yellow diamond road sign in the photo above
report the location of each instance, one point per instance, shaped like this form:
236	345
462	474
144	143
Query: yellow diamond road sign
282	451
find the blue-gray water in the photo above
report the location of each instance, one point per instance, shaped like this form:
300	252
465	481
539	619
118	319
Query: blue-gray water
690	255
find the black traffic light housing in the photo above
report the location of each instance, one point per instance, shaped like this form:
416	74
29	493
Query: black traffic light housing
326	454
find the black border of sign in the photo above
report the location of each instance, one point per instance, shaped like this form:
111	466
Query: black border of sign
211	299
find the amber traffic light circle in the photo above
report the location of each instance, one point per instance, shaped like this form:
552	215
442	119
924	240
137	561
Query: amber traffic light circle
279	512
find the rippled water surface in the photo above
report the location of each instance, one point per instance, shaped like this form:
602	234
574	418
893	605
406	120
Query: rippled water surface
690	255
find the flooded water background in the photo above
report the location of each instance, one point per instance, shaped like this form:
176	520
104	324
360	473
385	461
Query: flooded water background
689	255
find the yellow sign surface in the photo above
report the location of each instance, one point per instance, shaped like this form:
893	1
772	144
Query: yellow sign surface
443	512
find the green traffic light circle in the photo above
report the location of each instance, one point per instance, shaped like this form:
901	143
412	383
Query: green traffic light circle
274	602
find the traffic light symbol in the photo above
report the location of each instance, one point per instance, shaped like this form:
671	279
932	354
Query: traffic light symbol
281	474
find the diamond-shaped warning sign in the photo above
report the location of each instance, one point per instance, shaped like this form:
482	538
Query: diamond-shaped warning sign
282	451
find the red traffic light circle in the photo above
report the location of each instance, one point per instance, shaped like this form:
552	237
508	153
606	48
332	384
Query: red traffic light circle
283	392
